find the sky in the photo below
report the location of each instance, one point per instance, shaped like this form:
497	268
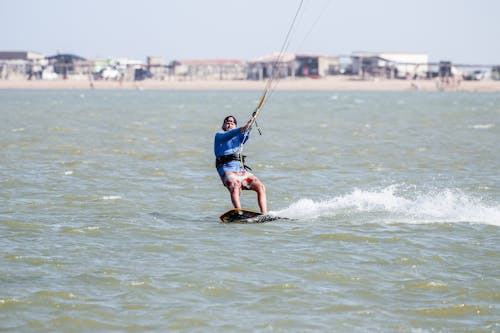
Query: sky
462	31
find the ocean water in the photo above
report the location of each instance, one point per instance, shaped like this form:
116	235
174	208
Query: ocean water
110	203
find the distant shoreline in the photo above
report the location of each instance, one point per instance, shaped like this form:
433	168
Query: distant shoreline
324	84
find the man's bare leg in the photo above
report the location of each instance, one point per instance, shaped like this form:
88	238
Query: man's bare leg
235	196
259	187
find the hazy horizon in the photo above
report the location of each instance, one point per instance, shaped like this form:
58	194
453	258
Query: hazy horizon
461	31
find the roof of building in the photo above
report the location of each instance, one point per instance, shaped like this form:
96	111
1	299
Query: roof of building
212	62
20	55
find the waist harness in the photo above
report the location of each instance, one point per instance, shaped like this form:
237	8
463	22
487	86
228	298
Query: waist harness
221	160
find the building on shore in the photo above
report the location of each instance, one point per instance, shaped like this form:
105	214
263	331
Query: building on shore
292	65
157	67
212	69
67	64
309	65
27	65
20	64
389	65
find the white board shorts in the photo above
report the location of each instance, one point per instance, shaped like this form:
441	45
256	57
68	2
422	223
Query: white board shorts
241	179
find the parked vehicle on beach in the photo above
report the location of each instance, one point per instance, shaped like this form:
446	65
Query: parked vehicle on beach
478	75
49	74
142	74
109	73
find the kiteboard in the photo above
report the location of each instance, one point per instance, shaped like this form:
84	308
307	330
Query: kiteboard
239	215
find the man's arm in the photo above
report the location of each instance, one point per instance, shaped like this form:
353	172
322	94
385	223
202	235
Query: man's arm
248	124
225	136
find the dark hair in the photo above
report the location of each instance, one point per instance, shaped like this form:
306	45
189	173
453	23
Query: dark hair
234	118
235	121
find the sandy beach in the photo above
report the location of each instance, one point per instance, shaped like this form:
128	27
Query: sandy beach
330	83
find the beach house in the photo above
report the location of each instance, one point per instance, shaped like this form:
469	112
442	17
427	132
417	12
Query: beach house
293	65
390	65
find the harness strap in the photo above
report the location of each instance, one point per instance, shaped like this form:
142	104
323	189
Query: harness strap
221	160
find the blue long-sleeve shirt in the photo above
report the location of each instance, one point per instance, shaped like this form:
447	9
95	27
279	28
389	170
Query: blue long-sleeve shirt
228	143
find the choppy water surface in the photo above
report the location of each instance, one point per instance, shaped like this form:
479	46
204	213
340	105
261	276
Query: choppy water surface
109	206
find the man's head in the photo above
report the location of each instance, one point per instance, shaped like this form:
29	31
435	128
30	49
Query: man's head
229	123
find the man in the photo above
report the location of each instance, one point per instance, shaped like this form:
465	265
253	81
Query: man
229	164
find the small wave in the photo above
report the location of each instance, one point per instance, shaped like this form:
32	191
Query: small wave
402	205
482	126
111	197
83	230
461	310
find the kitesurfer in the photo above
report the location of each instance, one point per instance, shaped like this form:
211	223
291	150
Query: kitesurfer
230	164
